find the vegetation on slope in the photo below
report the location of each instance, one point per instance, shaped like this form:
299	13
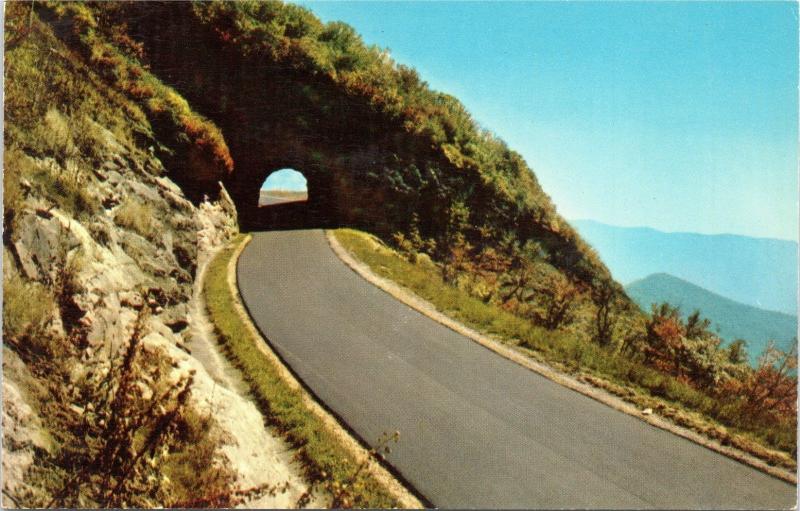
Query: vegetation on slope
731	320
110	443
379	148
705	379
185	141
376	144
325	460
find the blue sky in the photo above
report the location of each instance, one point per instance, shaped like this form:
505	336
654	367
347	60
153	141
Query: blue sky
677	116
285	179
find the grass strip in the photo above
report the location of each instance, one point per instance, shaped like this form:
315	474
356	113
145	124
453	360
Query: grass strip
321	453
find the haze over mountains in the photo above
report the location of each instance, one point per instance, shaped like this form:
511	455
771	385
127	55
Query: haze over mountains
731	320
760	272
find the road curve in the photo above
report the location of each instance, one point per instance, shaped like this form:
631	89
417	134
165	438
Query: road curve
476	429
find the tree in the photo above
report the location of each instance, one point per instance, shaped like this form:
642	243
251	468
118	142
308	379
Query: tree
771	387
603	295
456	248
737	352
521	270
687	350
665	332
555	302
458	259
514	283
490	265
697	326
702	356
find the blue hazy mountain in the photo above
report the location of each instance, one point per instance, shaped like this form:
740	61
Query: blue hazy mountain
730	319
761	272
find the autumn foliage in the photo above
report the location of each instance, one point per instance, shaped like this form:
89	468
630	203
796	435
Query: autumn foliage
770	389
117	57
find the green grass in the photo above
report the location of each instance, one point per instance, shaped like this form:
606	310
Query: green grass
321	453
558	348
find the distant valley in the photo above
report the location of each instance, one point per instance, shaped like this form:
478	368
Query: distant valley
760	272
731	320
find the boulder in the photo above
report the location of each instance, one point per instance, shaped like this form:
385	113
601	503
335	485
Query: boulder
26	261
43	245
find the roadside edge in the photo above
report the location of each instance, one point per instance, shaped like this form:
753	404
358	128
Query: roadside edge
395	488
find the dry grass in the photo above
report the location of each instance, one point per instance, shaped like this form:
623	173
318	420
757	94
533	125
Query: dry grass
137	217
28	307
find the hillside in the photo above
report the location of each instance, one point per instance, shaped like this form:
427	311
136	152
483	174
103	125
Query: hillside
110	368
732	320
378	147
755	271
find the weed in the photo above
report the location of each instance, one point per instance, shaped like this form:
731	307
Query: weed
28	307
129	437
344	493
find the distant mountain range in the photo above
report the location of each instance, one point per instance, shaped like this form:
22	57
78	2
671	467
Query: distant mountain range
761	272
731	320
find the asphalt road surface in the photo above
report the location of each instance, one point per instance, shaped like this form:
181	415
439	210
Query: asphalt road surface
476	429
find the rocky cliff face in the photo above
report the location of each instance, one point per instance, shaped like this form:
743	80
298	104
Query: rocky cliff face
136	256
109	366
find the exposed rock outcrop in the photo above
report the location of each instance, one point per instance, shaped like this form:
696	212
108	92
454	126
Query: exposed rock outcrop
109	271
99	242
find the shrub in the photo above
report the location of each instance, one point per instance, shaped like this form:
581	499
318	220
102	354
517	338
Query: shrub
208	138
132	428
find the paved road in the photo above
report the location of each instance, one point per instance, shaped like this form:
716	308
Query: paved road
476	429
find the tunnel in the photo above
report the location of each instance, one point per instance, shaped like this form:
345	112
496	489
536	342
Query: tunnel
372	159
261	207
283	186
283	201
364	168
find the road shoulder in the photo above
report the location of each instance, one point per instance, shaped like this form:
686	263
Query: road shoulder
285	402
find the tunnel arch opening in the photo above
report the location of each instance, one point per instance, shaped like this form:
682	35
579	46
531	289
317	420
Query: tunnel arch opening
283	194
283	186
